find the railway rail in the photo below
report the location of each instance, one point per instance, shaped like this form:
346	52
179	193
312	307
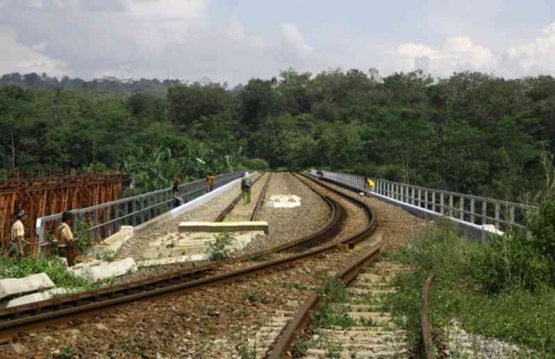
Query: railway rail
64	309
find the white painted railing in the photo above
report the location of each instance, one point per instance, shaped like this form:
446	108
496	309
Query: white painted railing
463	207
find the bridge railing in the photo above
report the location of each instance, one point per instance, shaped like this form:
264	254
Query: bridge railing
467	208
106	219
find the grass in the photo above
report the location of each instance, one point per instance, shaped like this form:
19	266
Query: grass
54	267
294	285
515	303
255	297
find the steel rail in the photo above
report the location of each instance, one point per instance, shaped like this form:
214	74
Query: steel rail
18	319
232	205
261	197
300	320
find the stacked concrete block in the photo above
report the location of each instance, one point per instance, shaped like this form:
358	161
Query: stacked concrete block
19	286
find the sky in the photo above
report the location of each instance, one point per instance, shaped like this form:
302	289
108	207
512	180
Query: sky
235	40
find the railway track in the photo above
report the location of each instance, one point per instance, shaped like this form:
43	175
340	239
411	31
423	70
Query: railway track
355	325
62	310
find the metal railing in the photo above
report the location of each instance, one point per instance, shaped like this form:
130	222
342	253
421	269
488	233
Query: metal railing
107	218
467	208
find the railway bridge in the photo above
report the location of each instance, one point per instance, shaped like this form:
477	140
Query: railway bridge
245	280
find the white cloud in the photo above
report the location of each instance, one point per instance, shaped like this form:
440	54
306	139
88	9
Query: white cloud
294	40
20	58
535	57
458	53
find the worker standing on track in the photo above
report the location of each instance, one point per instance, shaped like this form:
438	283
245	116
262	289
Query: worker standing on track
17	236
65	239
246	184
210	180
369	185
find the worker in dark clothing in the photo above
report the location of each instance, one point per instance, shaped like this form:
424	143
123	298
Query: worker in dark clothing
65	239
210	180
246	185
177	201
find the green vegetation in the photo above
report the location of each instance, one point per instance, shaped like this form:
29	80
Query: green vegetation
504	289
471	133
67	352
54	267
255	297
219	249
330	311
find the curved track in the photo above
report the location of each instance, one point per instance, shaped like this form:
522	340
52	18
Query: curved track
20	319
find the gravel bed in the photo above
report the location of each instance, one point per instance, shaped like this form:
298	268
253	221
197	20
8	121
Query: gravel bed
206	323
461	344
396	226
207	212
211	322
289	224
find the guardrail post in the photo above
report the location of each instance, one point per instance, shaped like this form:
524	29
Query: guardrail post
134	213
441	203
461	207
419	197
434	201
117	224
95	223
497	214
472	217
484	212
426	199
512	214
451	206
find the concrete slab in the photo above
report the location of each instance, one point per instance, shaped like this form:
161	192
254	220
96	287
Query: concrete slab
18	286
196	260
284	201
491	229
220	227
81	269
112	269
34	298
194	243
98	270
115	241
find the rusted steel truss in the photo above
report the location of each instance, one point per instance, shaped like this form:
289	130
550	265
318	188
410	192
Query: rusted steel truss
55	194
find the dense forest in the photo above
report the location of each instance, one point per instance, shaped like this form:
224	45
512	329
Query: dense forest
472	133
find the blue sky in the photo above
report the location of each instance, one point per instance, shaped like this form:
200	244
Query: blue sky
235	40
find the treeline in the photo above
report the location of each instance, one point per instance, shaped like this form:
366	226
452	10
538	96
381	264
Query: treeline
473	132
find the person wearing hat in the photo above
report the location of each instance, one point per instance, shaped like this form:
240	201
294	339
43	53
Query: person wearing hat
17	236
65	239
246	184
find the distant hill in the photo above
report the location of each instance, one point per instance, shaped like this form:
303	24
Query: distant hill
153	87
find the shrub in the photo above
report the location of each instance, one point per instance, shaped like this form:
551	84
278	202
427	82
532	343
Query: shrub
219	249
542	227
510	262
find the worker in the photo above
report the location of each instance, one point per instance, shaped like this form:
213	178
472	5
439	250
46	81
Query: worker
177	201
246	184
210	180
18	234
65	239
369	185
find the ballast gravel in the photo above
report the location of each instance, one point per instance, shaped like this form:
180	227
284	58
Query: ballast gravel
214	322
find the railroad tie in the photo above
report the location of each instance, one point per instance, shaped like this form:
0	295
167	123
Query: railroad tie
374	333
